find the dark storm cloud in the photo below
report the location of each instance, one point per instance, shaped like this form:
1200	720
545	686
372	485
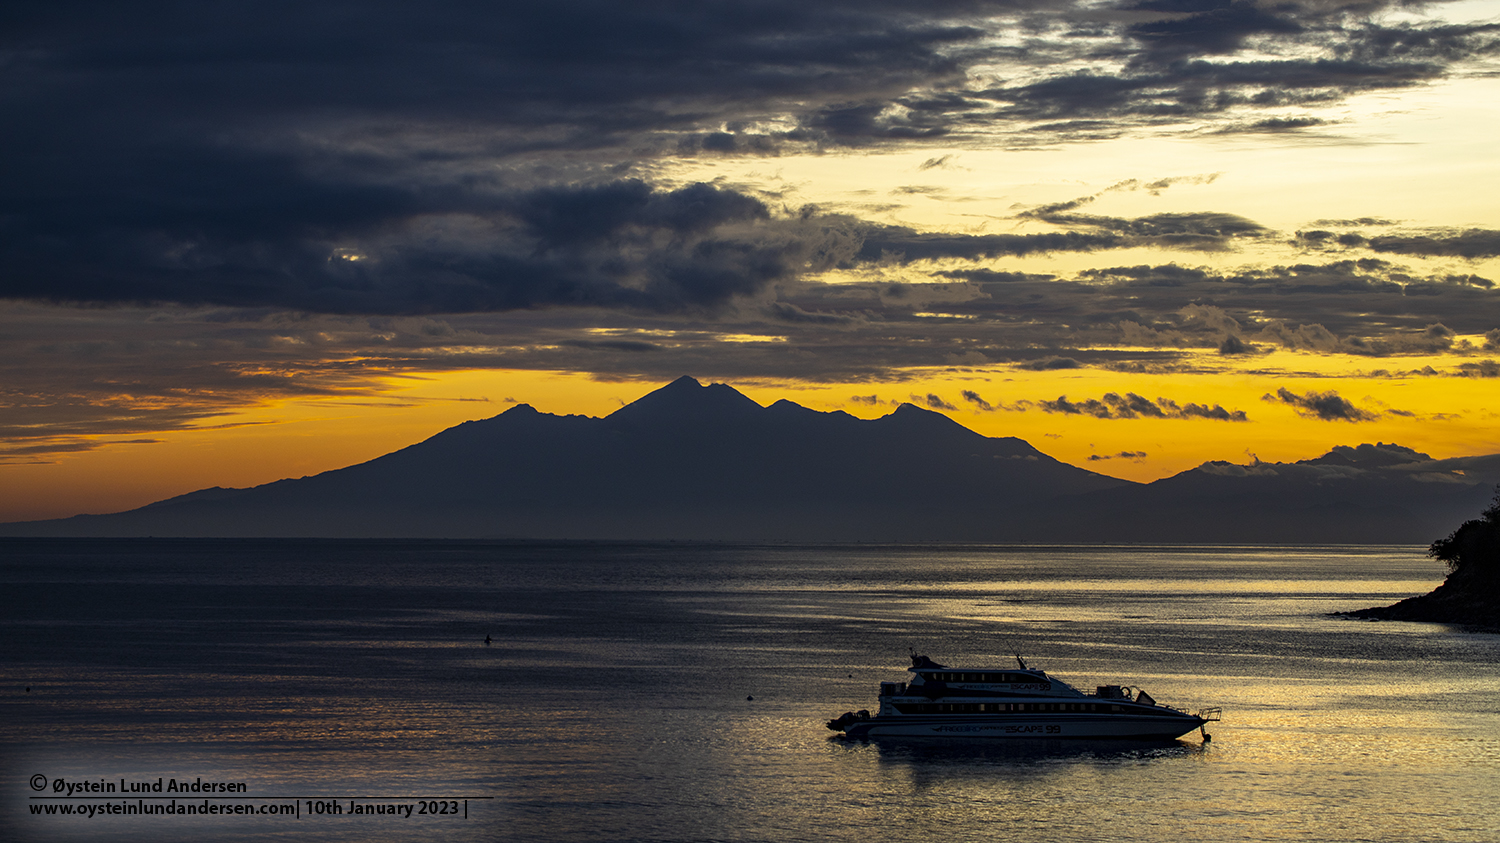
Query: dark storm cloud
385	157
1207	28
617	244
224	153
1326	406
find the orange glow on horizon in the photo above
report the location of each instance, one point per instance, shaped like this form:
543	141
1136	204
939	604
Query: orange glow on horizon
303	437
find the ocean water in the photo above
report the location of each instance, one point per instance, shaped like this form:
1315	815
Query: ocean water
678	692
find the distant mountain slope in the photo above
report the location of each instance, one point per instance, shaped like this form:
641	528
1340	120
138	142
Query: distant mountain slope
705	462
685	462
1366	494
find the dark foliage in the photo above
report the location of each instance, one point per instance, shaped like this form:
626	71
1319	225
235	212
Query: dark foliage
1474	548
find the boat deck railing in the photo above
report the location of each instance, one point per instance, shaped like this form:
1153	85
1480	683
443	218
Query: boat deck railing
1210	714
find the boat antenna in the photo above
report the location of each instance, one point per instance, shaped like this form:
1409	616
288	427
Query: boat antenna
1017	650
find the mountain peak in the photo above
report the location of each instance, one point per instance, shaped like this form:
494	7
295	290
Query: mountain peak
907	408
910	416
685	399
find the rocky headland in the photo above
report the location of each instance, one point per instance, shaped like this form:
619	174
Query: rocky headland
1470	595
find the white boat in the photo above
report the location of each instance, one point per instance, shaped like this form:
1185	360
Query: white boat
941	701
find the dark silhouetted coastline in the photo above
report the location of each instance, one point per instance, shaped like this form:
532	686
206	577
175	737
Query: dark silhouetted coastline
1471	594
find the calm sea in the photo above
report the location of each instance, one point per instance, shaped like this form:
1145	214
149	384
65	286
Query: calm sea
615	702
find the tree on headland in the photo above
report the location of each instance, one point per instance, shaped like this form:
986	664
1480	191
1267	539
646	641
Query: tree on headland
1472	552
1471	593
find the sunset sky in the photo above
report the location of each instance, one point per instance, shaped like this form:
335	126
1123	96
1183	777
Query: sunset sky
247	241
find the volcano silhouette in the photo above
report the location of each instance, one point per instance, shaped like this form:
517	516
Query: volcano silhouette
695	462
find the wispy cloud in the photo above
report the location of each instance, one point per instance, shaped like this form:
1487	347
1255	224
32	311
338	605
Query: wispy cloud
933	402
1133	406
1135	456
973	398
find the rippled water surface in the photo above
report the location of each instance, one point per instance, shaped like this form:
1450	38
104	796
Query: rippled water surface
615	702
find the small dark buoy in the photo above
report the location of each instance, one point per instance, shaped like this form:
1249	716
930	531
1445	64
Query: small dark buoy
851	676
28	689
749	698
1207	737
486	641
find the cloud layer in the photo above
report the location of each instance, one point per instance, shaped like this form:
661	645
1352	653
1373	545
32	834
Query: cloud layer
377	158
274	200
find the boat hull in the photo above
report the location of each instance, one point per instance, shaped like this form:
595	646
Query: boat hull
1011	727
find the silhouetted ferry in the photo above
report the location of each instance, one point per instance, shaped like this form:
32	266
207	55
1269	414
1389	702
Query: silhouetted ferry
942	701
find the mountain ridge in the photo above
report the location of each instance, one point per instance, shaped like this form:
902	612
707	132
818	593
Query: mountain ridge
697	462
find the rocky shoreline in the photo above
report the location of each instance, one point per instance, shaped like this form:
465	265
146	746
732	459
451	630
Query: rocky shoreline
1467	602
1471	594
